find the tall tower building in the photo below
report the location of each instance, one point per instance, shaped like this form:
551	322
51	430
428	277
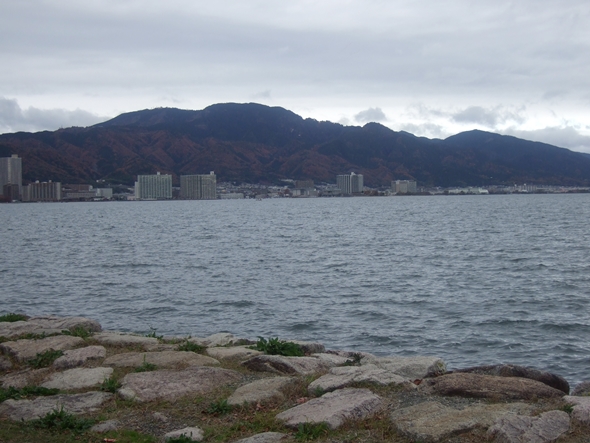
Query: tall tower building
350	184
11	172
153	187
198	187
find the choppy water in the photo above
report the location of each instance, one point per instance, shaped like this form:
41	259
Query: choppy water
472	279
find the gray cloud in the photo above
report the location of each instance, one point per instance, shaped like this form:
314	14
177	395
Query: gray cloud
565	137
370	115
14	118
486	117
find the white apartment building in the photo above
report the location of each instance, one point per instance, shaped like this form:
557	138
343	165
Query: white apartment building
153	187
404	187
198	187
11	172
350	184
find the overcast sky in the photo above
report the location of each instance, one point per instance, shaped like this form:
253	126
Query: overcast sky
432	67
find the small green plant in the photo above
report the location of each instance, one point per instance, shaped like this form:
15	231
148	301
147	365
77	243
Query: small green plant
318	392
568	408
27	391
180	439
274	346
354	360
152	334
311	431
146	367
190	347
78	331
110	385
12	317
45	359
220	407
61	420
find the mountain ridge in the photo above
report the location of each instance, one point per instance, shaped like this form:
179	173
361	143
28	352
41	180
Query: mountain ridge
256	143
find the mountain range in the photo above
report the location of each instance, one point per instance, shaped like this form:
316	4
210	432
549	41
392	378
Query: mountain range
254	143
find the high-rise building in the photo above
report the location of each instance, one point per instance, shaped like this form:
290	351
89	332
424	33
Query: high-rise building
42	192
11	172
198	187
153	187
350	184
404	186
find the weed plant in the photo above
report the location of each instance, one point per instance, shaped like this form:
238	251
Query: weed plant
354	360
28	391
79	331
220	407
110	385
12	317
274	346
146	367
152	334
311	431
61	420
45	359
190	347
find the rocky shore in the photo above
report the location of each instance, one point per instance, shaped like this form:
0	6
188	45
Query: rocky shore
65	379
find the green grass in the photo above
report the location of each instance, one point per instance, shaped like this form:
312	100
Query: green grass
274	346
311	431
45	359
220	407
12	317
59	419
146	367
78	331
190	347
28	391
152	334
110	385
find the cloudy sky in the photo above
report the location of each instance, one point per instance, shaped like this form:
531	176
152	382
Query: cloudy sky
432	67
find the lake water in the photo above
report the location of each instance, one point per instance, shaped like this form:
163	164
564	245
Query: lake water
472	279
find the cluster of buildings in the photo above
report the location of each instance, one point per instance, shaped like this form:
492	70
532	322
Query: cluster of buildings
192	187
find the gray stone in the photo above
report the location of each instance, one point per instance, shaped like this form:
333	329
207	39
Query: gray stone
220	339
261	390
5	363
105	426
265	437
26	377
79	357
232	353
164	359
545	428
581	412
344	376
411	368
160	417
18	410
23	350
331	359
170	385
159	347
78	378
555	381
286	365
488	386
47	324
195	434
432	422
122	339
582	389
334	408
310	347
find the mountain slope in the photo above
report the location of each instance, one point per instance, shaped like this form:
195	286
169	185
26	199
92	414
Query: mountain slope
256	143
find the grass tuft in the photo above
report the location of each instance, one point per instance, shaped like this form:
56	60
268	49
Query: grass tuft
190	347
354	360
110	385
146	367
274	346
220	407
12	317
28	391
45	359
311	431
62	420
78	331
152	334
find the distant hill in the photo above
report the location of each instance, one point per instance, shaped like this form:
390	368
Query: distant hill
255	143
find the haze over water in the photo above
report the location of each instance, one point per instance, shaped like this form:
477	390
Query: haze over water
472	279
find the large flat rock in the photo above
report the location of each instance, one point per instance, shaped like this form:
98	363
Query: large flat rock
26	377
23	350
432	422
553	380
122	339
232	353
162	360
79	357
219	339
77	378
47	324
5	363
18	410
341	377
193	434
410	367
334	408
278	364
261	390
545	428
170	385
488	386
581	412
